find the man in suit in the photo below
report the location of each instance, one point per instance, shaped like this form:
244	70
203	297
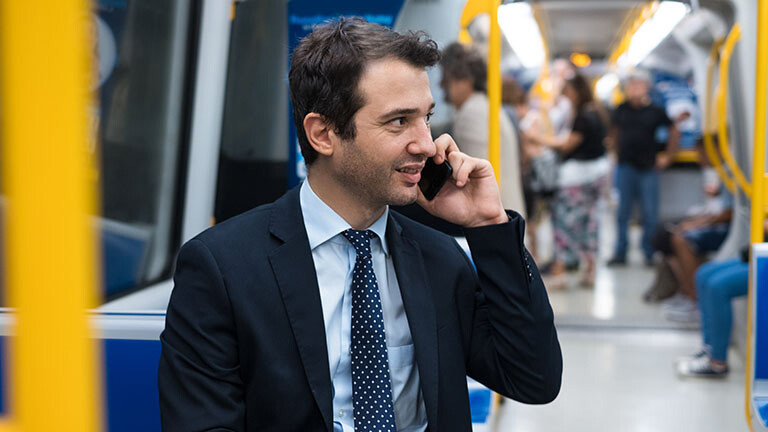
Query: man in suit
324	311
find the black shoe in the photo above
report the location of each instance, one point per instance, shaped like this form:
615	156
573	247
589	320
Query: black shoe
616	261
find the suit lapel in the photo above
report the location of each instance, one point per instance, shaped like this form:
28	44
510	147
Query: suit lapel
420	310
295	274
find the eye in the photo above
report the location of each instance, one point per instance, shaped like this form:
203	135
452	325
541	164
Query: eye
400	121
428	118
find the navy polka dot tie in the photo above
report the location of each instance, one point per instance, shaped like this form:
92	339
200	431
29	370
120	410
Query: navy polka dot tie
371	386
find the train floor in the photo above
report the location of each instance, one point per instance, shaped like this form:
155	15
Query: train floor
619	355
624	380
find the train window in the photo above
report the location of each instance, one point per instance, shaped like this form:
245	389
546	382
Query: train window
142	63
253	164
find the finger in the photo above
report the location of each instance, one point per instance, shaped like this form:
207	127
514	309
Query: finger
479	167
445	145
455	159
464	170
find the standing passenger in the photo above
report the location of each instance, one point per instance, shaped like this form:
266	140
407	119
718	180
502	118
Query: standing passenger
561	112
581	177
464	83
558	121
540	167
324	311
635	124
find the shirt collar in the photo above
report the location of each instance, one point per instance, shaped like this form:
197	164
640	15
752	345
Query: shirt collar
323	223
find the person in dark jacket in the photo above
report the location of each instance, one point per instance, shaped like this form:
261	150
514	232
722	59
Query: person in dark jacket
325	311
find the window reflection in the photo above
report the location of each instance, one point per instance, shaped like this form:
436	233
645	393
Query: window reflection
141	68
253	165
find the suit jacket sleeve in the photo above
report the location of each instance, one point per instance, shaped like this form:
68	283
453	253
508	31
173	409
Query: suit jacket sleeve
199	377
513	348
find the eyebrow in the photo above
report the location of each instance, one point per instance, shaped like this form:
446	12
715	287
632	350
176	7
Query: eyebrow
402	112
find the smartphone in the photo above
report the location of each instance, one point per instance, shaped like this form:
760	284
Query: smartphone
433	177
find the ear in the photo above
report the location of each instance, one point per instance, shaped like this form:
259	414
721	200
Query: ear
320	134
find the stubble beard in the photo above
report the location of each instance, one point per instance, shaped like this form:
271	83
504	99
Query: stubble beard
370	182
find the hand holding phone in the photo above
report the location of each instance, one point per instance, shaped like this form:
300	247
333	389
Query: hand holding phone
472	199
433	177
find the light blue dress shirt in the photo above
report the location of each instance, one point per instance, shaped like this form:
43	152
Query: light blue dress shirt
334	259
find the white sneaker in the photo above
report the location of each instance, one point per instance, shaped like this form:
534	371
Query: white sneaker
674	301
701	368
687	314
702	353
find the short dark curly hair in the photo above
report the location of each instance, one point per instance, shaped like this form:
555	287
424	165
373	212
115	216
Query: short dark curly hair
461	62
327	65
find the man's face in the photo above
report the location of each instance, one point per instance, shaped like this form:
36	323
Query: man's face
637	90
456	90
382	165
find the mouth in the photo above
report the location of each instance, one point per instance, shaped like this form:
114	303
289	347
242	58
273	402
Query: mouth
412	173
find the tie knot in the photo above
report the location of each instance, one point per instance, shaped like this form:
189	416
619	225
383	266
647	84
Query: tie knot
360	240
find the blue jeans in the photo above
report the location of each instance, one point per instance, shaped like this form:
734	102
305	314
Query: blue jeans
636	184
707	239
717	283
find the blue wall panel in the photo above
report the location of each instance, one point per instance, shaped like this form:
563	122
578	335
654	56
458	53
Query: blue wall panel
761	319
131	385
130	381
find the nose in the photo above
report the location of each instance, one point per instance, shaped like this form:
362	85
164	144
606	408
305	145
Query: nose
421	142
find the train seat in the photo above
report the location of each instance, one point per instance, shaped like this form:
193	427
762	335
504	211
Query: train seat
758	376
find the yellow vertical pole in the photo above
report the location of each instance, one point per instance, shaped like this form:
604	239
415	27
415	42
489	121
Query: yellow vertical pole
758	155
758	181
494	88
50	246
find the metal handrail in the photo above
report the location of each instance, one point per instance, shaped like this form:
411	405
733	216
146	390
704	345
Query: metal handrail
472	9
709	128
722	91
759	197
45	89
494	90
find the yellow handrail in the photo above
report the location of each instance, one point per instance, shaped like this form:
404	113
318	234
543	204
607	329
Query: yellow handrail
44	88
472	9
758	182
709	128
494	89
759	197
722	91
632	22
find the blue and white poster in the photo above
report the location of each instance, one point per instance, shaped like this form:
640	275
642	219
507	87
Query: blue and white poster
676	95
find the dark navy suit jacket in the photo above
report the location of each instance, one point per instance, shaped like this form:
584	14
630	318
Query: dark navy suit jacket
244	345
